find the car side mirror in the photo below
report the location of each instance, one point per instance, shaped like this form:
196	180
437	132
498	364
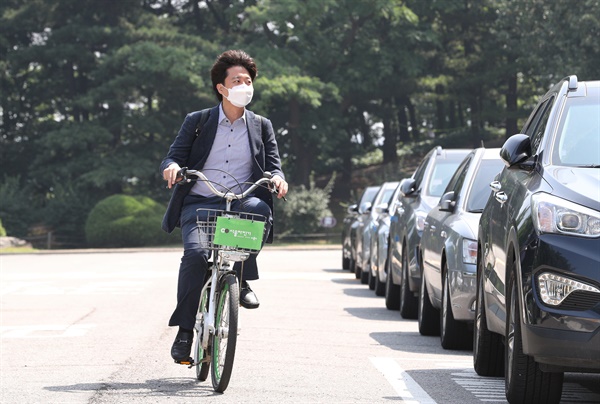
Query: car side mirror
365	207
516	150
408	186
448	202
381	208
352	208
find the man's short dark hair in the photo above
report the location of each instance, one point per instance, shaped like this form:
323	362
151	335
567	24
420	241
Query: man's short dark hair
228	59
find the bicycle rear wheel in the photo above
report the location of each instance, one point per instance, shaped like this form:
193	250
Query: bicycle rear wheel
202	365
226	327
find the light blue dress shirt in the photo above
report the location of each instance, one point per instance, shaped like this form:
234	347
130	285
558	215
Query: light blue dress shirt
229	163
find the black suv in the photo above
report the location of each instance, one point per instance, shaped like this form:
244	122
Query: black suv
538	260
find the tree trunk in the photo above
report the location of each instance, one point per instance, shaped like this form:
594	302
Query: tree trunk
304	152
511	106
389	141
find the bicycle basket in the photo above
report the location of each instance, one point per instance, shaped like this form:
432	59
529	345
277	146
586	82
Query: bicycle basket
233	231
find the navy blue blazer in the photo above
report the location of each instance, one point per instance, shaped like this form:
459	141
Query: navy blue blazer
187	151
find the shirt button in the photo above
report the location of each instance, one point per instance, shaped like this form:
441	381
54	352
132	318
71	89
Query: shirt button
227	161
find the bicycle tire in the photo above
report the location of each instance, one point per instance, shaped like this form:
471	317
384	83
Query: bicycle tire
202	367
225	337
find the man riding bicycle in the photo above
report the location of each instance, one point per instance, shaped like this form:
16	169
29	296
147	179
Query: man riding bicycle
233	147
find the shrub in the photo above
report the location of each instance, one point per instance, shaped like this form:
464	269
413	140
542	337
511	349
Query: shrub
303	211
2	230
126	221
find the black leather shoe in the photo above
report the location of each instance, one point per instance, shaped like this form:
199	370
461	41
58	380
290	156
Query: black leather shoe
180	351
247	297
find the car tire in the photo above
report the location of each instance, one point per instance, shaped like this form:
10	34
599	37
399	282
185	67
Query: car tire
453	334
524	381
364	277
357	268
392	291
428	316
379	285
408	302
488	348
371	279
345	263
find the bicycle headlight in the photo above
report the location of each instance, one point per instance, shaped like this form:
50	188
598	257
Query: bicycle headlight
556	215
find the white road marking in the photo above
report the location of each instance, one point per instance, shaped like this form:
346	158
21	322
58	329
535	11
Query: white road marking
45	331
487	389
406	387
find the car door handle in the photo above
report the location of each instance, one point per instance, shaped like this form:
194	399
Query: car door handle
501	197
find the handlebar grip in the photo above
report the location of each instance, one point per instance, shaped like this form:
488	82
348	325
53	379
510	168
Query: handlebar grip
181	173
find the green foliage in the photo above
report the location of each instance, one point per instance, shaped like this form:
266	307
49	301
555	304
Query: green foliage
126	221
2	230
17	210
303	210
92	93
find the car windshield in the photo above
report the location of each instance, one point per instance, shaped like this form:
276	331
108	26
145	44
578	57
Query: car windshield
442	172
578	136
369	194
480	189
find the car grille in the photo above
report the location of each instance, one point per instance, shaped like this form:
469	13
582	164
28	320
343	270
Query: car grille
580	301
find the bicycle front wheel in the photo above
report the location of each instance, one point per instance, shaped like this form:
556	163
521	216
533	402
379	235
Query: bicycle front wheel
226	328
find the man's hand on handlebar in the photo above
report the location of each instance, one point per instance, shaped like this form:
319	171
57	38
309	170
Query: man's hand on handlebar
281	185
171	174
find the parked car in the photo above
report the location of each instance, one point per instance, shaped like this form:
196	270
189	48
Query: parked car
356	230
379	255
449	251
418	194
350	223
370	228
538	261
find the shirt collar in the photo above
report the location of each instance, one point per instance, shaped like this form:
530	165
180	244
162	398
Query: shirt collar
222	116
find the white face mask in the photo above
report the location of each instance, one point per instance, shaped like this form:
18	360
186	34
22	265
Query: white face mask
240	95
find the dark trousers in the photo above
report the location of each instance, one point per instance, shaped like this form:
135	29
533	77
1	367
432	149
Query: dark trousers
194	263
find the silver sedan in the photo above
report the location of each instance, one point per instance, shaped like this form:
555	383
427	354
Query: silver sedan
449	251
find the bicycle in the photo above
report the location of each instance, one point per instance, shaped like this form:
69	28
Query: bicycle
232	236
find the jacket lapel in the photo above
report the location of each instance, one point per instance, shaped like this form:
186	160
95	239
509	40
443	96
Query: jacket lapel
202	145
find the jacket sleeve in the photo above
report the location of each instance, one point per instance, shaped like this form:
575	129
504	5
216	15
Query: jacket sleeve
272	159
180	149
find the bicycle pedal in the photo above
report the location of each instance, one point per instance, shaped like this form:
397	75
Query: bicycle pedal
187	361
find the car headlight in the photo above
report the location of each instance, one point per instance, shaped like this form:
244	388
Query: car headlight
554	288
469	251
556	215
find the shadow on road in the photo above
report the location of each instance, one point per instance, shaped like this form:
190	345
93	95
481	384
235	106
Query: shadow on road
173	387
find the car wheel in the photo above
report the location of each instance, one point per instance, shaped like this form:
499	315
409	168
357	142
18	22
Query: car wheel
364	277
408	301
371	279
488	349
453	334
379	285
428	316
357	268
392	291
524	381
345	263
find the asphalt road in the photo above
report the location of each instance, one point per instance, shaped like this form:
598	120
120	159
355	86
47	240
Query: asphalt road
92	328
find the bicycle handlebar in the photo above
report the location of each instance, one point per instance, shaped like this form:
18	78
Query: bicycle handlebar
184	173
